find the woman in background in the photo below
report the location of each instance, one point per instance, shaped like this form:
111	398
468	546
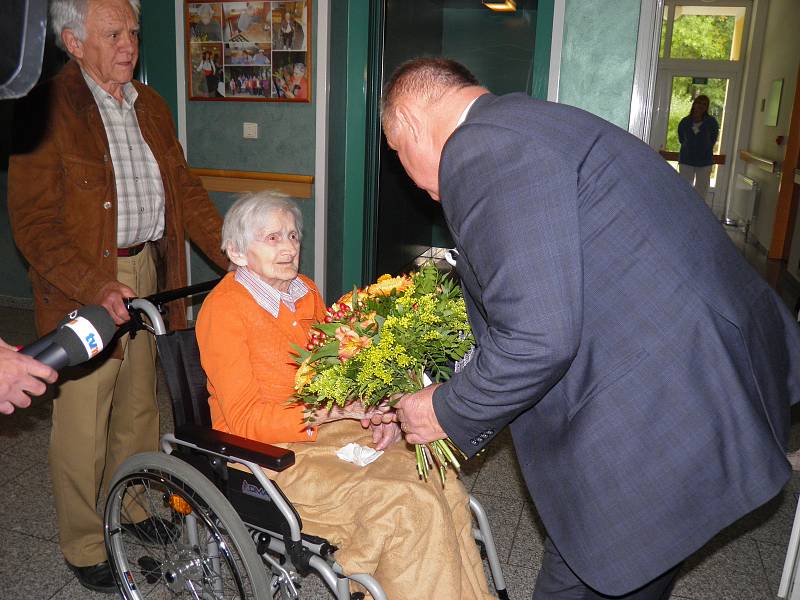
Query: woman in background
697	133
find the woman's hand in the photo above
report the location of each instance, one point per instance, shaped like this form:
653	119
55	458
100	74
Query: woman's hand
352	410
385	434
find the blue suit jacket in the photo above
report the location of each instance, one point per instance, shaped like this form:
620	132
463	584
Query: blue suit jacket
646	370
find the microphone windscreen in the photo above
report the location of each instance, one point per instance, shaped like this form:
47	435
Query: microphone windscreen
88	331
100	319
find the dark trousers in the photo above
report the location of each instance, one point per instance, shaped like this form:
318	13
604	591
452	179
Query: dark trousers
556	581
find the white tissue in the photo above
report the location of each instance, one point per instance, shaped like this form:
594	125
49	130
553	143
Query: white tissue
358	455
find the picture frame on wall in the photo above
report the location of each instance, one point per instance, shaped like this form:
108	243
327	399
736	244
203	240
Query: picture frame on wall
249	51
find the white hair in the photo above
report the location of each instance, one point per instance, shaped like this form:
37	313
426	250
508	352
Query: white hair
71	14
205	9
249	215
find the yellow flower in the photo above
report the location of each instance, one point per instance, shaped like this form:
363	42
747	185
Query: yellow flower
350	343
305	373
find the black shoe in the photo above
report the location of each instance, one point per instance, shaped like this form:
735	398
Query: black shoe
153	531
97	578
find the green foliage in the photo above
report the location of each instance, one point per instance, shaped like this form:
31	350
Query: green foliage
707	37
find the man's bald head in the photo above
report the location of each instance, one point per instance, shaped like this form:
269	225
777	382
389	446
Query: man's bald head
425	79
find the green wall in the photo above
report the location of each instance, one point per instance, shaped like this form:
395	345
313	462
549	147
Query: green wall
285	145
598	56
347	118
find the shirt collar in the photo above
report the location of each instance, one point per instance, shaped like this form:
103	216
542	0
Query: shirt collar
266	296
464	114
129	93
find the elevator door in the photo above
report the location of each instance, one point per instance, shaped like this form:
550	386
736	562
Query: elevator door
498	48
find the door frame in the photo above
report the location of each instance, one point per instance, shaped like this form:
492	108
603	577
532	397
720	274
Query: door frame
643	97
660	115
734	71
364	43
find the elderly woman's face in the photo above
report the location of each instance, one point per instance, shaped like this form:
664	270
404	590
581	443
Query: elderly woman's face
274	254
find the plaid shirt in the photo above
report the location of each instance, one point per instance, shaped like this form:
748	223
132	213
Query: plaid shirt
140	191
266	296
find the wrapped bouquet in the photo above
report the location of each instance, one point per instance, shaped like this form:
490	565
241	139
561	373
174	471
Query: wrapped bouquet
387	339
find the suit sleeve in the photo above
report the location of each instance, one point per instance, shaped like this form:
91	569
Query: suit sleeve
512	208
248	410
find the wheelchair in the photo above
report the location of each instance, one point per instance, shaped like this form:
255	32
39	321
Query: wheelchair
220	528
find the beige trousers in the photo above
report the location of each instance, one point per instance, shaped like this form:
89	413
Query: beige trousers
415	537
104	412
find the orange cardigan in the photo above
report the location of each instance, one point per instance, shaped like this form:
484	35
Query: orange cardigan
244	351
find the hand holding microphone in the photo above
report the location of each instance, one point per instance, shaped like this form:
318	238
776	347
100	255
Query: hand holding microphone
20	378
82	335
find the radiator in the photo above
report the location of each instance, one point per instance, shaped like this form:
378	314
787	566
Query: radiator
742	202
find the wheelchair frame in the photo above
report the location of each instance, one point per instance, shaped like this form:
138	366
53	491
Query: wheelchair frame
198	457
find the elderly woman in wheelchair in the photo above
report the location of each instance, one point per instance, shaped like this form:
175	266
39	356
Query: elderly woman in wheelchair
414	537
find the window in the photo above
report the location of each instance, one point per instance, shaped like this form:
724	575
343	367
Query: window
703	32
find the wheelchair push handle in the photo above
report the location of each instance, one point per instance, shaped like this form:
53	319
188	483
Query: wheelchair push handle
153	307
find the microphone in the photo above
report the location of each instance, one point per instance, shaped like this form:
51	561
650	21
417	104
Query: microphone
43	342
84	334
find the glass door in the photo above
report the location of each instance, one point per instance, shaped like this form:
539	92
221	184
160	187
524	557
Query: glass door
683	90
702	51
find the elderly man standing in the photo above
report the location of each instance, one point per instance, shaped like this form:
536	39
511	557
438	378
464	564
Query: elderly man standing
101	200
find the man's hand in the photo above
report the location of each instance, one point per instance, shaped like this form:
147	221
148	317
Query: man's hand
417	419
111	297
18	375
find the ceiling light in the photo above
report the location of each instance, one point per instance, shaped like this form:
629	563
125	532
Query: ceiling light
506	6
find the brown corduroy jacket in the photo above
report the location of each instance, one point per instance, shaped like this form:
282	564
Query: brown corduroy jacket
62	197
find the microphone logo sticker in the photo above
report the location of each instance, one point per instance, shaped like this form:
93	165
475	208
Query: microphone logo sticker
92	343
89	336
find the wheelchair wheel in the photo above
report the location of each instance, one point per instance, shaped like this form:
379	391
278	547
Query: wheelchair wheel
199	547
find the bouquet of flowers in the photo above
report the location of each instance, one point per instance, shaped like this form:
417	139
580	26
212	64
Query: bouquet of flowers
388	339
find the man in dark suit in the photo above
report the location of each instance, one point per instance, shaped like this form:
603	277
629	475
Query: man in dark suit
645	369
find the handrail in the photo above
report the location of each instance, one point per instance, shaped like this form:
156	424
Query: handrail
225	180
257	175
718	159
765	164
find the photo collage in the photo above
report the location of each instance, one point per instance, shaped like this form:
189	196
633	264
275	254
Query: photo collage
248	50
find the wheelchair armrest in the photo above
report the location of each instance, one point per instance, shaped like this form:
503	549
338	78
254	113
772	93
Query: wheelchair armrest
266	455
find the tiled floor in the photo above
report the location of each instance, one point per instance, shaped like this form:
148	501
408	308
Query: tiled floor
743	562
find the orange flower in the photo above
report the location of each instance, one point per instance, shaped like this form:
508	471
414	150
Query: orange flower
386	285
350	343
368	321
305	373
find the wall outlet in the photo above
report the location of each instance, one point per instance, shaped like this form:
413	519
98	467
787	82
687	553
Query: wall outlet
250	131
